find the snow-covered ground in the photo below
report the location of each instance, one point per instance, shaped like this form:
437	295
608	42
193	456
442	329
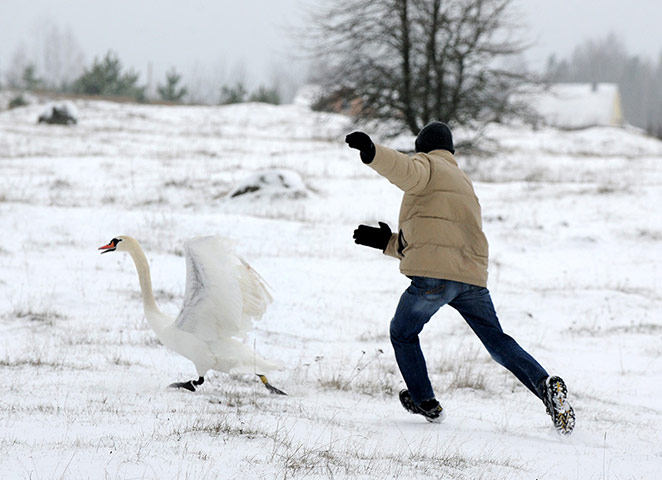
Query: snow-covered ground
575	233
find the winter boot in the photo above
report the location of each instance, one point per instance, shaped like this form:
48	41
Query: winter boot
555	398
430	409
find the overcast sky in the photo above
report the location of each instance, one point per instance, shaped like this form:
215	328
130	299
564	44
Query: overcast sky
558	26
230	38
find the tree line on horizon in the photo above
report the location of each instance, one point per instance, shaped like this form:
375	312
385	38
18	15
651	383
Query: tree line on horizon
401	62
106	77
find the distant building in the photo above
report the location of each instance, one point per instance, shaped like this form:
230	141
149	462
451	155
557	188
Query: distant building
578	105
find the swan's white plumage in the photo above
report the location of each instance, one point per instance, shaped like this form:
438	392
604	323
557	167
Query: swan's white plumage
213	301
223	296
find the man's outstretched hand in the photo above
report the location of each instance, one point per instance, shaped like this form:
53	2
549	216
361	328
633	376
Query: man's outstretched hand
372	236
362	142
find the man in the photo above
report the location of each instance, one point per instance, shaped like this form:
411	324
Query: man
442	249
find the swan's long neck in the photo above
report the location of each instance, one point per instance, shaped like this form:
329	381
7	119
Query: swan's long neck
152	312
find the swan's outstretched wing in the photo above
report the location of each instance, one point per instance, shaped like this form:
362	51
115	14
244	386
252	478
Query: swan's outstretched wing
256	296
223	293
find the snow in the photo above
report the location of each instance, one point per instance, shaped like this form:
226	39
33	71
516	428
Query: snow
574	230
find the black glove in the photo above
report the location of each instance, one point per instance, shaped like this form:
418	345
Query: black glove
372	236
361	142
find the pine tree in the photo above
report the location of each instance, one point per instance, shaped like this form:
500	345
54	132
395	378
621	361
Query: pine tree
30	79
233	94
266	95
105	77
170	92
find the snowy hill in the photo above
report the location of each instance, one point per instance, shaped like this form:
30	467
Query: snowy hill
574	231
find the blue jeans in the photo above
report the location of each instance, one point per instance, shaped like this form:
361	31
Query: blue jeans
427	295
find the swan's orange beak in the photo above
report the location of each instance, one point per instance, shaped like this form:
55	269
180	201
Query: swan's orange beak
111	247
107	248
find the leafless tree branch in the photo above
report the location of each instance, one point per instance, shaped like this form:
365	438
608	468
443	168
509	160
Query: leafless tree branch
420	60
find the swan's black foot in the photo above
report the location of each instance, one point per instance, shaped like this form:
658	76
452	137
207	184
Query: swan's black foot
269	386
190	385
187	385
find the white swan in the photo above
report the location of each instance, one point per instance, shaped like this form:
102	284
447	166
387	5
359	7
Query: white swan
223	295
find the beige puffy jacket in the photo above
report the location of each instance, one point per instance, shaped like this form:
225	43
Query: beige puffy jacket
440	227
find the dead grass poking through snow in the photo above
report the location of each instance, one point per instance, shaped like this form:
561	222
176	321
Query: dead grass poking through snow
463	367
370	375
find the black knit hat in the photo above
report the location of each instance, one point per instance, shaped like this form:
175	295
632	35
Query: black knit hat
434	136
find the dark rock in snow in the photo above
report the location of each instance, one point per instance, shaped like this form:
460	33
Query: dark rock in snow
271	183
63	114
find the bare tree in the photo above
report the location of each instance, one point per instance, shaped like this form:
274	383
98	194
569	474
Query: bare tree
414	61
63	59
17	66
53	54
